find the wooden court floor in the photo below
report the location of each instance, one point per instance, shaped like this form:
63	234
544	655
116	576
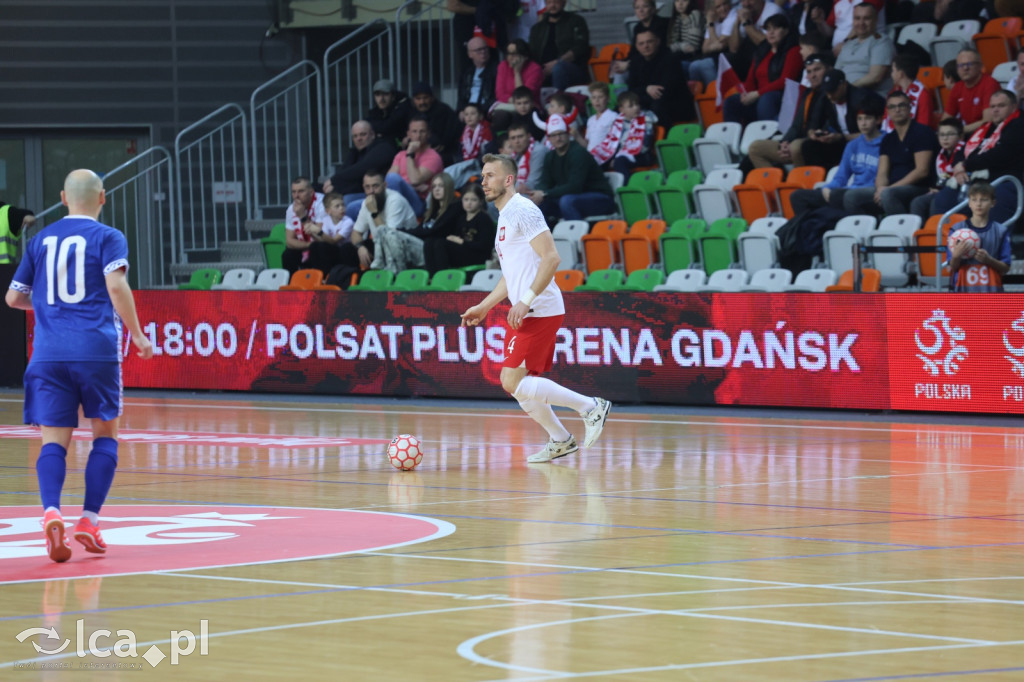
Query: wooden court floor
686	545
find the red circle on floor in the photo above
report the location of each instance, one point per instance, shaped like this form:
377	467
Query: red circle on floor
147	538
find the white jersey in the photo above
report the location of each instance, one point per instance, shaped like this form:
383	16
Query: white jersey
519	221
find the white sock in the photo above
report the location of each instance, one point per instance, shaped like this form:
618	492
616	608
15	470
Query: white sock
93	517
547	391
545	416
50	509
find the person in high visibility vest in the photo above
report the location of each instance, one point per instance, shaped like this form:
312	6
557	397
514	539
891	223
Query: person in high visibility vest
12	221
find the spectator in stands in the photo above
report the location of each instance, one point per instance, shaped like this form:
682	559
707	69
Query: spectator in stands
444	124
748	33
810	16
462	236
571	185
814	43
951	152
657	77
415	166
839	24
379	239
719	19
824	146
13	221
968	100
475	135
525	111
812	114
529	156
982	271
479	79
517	70
992	151
368	151
479	18
328	234
865	57
628	143
905	166
389	115
442	197
950	75
686	31
600	123
647	17
857	169
562	42
761	95
904	78
307	206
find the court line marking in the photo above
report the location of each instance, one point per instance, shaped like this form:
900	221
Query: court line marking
916	676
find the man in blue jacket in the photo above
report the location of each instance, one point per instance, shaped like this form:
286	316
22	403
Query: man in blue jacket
857	168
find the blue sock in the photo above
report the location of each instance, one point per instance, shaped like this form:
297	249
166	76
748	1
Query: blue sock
50	469
99	473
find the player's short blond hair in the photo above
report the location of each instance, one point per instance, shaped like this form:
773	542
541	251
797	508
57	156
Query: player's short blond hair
506	162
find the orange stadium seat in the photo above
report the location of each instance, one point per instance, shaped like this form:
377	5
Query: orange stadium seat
927	263
756	196
870	280
309	279
997	42
601	246
801	177
600	64
640	245
707	111
568	280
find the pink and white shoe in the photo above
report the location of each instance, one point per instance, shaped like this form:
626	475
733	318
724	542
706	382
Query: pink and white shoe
57	546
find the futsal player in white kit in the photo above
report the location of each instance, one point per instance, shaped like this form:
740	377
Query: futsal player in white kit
529	260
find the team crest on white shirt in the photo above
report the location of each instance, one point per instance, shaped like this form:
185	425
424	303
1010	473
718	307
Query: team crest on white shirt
501	234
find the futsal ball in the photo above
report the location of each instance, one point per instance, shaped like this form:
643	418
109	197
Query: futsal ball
965	234
405	452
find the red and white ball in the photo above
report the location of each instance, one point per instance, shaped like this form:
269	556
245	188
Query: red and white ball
405	452
965	234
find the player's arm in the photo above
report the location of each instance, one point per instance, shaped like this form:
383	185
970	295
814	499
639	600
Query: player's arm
544	246
19	300
124	304
476	314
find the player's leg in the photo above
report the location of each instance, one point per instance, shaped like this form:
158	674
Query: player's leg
102	403
51	401
593	410
560	441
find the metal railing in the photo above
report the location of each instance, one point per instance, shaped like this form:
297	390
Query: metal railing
140	203
213	181
351	67
287	133
425	48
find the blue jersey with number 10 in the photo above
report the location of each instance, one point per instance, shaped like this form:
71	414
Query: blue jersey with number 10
65	268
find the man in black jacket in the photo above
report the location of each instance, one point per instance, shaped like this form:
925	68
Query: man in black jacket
656	76
825	145
560	42
444	124
476	84
389	115
368	152
811	114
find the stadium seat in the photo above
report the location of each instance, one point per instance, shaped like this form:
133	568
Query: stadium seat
756	130
271	279
730	279
600	64
815	279
708	111
643	280
674	151
770	279
683	280
236	279
636	199
677	244
758	246
601	246
274	245
756	195
413	279
801	177
894	230
603	280
930	77
201	280
717	246
714	199
374	280
640	245
615	179
483	280
568	254
447	280
927	263
996	43
567	235
1005	72
919	34
869	282
308	279
954	36
568	280
720	146
674	197
838	243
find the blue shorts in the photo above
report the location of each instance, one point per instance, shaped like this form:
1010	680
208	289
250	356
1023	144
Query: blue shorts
54	390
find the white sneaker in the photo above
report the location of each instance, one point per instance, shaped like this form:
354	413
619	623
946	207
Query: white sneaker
594	421
553	450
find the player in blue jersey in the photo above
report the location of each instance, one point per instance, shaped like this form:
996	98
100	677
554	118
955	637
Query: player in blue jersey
73	278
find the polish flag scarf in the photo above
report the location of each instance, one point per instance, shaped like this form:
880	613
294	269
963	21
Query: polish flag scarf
615	145
474	138
523	165
945	161
978	142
